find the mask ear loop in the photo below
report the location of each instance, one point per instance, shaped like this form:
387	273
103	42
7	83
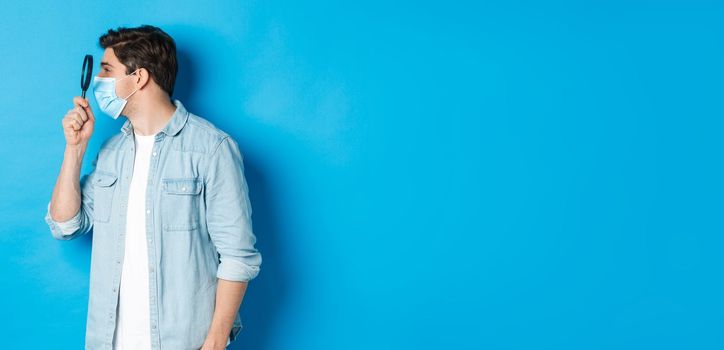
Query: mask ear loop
134	91
127	97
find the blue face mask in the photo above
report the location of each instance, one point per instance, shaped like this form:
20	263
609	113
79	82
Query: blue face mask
104	90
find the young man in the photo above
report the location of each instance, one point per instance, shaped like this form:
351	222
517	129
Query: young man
173	247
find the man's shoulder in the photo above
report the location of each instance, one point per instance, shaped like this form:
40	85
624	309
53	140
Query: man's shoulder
205	126
200	134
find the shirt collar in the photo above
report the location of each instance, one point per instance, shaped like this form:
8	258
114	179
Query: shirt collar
174	125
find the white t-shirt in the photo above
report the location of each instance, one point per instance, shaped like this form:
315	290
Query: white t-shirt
133	329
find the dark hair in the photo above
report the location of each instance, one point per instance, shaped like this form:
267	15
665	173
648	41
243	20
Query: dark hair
145	47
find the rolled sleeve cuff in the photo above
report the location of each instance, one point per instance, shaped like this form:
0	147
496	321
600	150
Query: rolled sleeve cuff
63	228
234	270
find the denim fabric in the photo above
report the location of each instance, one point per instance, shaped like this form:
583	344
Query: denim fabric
198	226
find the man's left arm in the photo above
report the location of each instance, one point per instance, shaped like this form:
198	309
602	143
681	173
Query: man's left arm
228	217
229	295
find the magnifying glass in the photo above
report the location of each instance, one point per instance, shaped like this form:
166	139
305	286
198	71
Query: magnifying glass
86	73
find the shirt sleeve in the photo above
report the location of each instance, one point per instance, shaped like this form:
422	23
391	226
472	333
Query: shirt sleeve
228	214
65	227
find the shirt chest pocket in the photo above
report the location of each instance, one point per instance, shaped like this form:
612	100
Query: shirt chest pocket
104	188
180	203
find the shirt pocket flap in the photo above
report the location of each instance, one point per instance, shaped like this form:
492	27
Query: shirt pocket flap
183	186
104	179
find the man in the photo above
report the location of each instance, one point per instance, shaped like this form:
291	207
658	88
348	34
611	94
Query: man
173	247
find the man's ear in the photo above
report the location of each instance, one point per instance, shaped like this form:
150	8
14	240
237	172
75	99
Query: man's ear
142	78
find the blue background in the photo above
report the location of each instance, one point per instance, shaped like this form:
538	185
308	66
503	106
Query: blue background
454	175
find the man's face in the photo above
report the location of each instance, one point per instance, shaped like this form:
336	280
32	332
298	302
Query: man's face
111	67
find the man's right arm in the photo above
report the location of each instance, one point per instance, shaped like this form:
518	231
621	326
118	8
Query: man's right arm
70	210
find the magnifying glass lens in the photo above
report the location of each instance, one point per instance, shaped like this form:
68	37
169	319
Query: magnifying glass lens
86	73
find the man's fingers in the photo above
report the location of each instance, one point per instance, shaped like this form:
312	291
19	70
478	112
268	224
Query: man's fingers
82	113
77	118
74	119
89	111
80	102
74	114
73	123
83	105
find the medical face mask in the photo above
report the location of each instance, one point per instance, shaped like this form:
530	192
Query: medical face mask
104	90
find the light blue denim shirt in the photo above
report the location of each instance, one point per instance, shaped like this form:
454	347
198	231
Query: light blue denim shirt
198	227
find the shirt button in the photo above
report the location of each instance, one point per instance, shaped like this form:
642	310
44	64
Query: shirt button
154	153
183	188
114	290
118	262
154	326
148	211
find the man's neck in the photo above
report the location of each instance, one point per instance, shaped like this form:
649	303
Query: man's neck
152	117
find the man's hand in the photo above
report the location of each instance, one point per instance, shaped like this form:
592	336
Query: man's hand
78	123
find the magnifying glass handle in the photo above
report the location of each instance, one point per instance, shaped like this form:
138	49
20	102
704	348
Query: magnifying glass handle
83	94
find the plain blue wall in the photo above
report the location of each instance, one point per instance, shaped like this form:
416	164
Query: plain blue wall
513	175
